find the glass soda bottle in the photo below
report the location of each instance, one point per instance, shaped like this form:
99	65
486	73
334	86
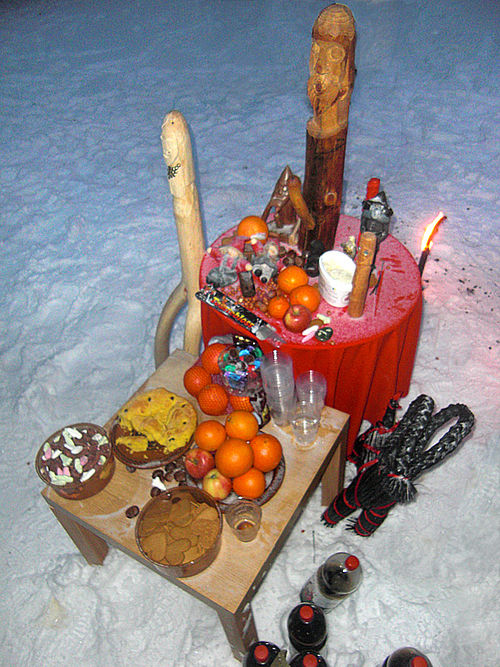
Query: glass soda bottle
306	627
407	657
261	654
339	576
308	659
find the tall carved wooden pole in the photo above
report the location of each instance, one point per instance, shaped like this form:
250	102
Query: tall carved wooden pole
330	84
177	153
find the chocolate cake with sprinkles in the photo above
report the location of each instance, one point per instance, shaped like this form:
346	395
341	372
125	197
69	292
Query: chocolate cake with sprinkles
76	461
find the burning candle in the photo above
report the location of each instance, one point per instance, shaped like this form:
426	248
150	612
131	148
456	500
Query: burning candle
426	244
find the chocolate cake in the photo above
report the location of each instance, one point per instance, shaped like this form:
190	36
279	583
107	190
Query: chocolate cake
76	461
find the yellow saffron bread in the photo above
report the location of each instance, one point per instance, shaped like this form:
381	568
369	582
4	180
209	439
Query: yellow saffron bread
153	427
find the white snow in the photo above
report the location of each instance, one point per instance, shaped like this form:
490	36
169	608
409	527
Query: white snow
89	255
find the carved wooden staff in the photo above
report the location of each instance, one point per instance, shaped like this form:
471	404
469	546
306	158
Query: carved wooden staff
176	144
329	88
361	280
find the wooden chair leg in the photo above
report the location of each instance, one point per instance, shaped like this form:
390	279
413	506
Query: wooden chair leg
93	548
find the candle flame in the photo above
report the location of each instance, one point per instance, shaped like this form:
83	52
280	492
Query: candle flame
430	230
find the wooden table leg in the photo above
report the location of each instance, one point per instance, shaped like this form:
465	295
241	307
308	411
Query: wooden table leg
332	482
92	548
240	630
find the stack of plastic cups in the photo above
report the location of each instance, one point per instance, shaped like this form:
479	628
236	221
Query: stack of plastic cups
310	388
276	370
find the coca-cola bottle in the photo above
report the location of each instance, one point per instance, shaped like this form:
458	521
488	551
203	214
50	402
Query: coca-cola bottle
339	576
308	659
407	657
306	627
261	654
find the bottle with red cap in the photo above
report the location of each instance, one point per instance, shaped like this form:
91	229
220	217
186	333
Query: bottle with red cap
407	657
306	627
261	654
308	659
339	576
372	188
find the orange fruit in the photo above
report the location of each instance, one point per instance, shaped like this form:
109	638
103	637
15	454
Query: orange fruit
241	424
213	399
195	378
210	357
234	457
209	435
251	484
290	277
307	295
278	306
240	403
252	225
267	451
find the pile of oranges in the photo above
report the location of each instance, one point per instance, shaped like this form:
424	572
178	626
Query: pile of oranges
242	454
212	398
293	283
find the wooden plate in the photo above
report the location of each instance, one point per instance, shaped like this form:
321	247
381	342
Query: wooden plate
153	457
274	480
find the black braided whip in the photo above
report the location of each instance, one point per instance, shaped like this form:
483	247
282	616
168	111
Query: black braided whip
428	458
405	457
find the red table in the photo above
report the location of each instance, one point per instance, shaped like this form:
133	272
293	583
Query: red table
368	360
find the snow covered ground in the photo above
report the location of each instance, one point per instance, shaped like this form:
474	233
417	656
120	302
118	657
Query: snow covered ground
89	255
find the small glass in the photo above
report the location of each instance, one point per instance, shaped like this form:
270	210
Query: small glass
244	519
305	424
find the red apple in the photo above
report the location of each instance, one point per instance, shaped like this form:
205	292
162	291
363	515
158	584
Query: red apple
198	462
217	485
297	318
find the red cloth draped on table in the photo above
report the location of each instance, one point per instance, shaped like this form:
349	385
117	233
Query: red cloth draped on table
368	360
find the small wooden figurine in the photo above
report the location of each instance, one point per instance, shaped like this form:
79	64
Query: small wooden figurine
329	88
361	280
284	214
304	217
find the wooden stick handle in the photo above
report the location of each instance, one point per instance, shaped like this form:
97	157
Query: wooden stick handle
361	280
299	203
177	152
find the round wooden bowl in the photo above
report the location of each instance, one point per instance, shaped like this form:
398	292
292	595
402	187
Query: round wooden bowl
180	531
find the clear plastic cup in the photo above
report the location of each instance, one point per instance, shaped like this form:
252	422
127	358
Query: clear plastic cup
305	424
277	378
311	388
